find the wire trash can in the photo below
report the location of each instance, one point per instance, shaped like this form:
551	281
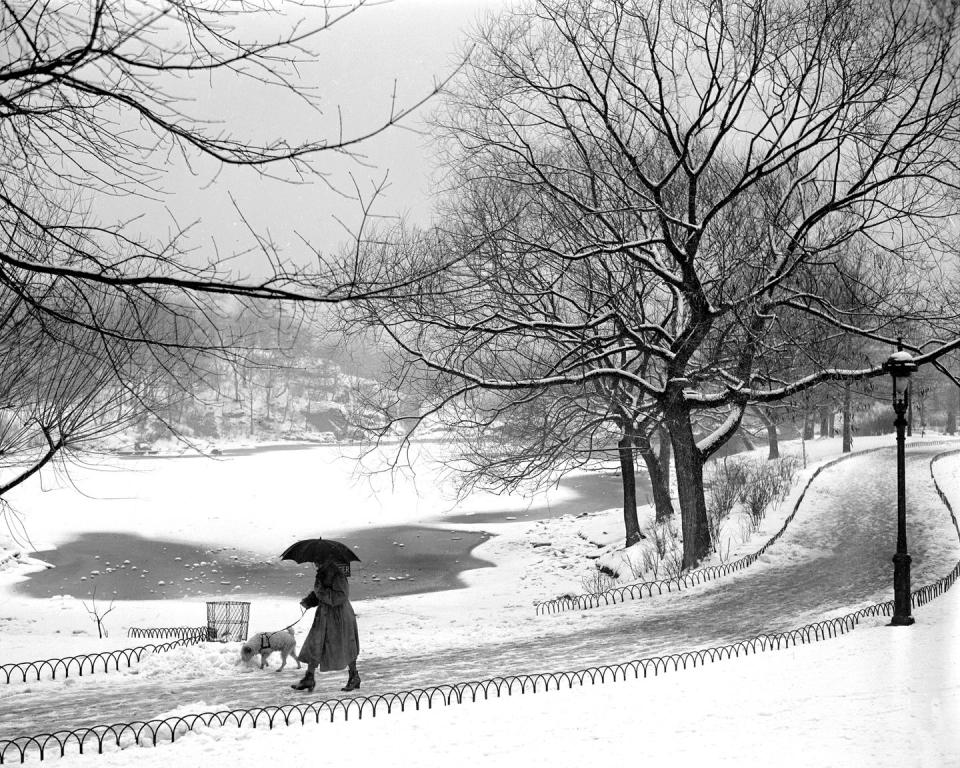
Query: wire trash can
227	621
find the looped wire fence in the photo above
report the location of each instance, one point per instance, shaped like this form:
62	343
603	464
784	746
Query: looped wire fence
104	661
639	590
150	733
155	632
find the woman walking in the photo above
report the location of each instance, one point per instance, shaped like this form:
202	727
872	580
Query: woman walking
333	641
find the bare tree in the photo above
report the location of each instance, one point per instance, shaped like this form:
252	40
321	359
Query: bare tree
98	614
518	439
515	436
732	160
104	99
64	389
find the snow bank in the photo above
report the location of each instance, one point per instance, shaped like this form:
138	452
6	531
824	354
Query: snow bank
196	661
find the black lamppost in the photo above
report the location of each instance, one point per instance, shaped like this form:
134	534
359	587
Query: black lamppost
900	365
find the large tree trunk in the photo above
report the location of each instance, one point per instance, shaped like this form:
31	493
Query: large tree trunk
847	421
952	417
688	460
659	478
629	479
807	425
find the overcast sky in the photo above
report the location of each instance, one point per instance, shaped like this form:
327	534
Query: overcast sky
410	42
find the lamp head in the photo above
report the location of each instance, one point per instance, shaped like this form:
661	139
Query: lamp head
900	365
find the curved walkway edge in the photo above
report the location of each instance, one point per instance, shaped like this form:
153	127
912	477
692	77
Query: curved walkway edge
639	590
121	735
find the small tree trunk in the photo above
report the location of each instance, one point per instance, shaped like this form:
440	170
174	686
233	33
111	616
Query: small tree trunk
951	426
909	412
663	457
629	479
747	442
659	479
773	441
807	425
689	463
847	421
824	421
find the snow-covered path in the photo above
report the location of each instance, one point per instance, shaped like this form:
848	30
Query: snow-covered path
834	558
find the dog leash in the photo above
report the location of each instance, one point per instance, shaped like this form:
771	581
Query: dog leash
267	638
303	613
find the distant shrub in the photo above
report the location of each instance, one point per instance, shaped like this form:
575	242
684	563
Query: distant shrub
599	580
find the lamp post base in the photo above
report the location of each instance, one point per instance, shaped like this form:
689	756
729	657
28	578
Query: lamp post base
901	591
901	621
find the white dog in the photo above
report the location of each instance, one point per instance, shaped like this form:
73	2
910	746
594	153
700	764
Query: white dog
266	643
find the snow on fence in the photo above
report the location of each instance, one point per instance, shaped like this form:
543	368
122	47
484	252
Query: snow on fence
103	661
639	590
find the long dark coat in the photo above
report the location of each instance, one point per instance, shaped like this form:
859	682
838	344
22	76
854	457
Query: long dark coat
333	641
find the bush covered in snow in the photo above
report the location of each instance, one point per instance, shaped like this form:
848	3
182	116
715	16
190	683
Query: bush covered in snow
739	492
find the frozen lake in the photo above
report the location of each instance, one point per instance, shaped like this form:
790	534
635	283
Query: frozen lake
131	567
220	544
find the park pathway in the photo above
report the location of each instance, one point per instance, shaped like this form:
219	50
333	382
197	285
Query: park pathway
834	558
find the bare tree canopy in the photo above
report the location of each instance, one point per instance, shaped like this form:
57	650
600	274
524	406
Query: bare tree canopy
103	99
104	107
755	175
62	391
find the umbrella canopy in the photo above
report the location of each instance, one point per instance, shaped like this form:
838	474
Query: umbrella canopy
318	550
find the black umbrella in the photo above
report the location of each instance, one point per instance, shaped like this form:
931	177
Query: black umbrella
318	550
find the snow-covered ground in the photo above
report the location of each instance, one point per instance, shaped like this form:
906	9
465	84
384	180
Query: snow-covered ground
260	503
705	715
879	696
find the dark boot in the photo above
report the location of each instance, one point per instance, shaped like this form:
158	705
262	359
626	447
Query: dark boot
308	683
353	682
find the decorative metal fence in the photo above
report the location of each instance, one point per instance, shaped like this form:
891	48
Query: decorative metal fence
639	590
104	661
